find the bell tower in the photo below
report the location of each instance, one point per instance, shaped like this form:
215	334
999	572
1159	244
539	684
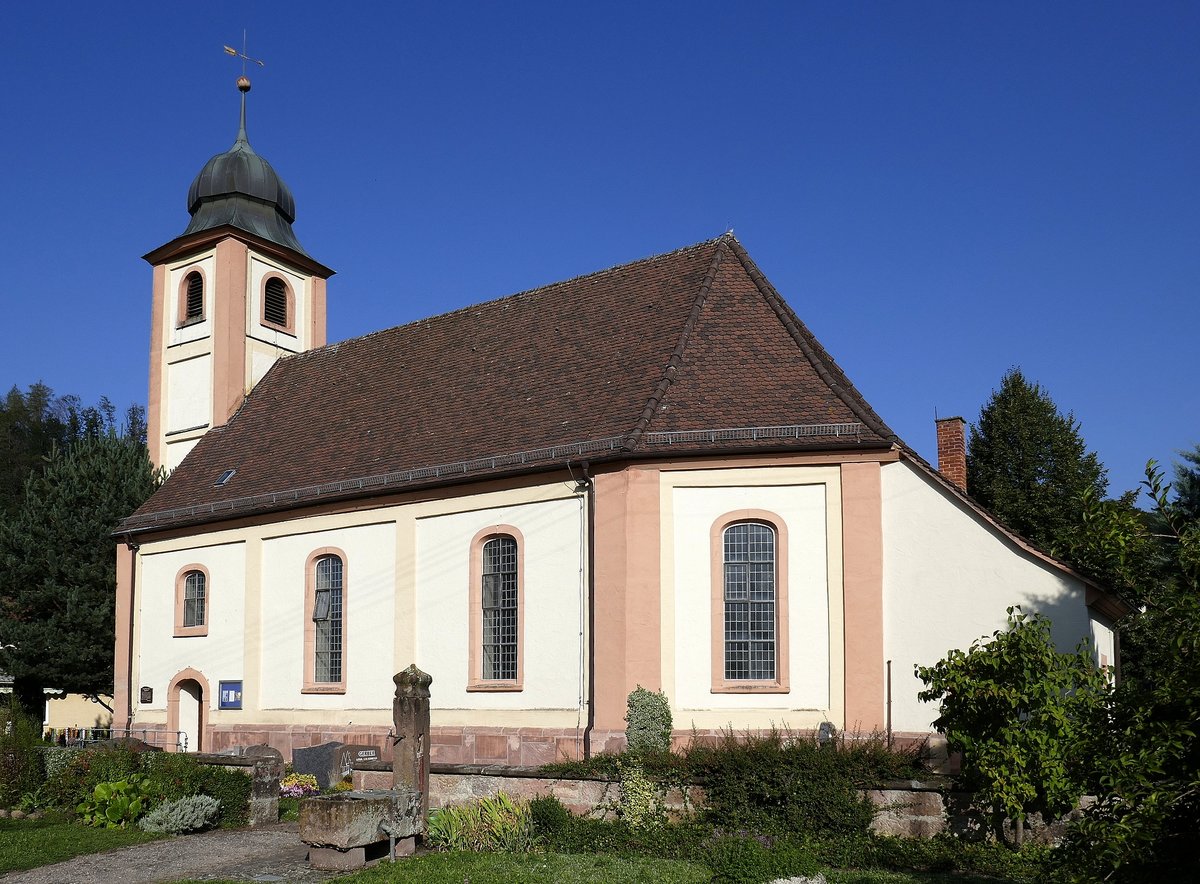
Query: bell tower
233	294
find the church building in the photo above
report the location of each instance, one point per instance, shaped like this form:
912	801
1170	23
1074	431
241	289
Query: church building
648	475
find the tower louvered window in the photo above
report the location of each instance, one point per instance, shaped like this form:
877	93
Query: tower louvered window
749	554
275	303
194	301
500	608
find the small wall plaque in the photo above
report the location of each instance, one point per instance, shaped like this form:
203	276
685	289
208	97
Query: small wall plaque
230	695
146	695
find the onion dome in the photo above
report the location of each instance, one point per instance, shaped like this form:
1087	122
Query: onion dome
238	188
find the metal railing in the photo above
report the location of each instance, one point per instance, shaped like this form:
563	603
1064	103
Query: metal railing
89	736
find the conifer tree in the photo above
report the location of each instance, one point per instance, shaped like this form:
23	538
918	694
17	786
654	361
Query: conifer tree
1028	464
57	565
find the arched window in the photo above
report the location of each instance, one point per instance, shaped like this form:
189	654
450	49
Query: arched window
194	306
191	299
497	614
192	601
749	593
277	311
325	626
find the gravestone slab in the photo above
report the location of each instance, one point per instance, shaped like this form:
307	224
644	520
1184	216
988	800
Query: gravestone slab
352	753
323	762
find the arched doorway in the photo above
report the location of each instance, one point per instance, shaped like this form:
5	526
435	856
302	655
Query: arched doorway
187	708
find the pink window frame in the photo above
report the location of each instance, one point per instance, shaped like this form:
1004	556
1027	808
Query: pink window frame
290	327
180	587
181	320
720	684
475	679
311	685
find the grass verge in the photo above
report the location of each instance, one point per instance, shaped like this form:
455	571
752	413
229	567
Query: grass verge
27	844
534	868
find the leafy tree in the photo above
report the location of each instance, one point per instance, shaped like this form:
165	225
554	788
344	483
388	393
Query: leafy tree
1016	707
57	566
1144	825
1027	463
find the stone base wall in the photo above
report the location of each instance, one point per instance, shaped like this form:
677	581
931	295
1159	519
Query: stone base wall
504	746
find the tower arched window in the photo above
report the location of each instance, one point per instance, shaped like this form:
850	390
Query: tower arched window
277	307
191	299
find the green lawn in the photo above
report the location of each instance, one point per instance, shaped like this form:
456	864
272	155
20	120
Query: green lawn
27	844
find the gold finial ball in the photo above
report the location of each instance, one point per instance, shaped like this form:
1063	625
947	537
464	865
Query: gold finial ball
243	84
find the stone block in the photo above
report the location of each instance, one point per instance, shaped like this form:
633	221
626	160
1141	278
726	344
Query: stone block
330	859
354	819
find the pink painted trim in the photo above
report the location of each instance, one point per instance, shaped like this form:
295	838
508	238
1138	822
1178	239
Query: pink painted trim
317	311
229	330
181	320
862	592
183	675
475	679
311	685
123	659
180	587
290	327
155	407
716	544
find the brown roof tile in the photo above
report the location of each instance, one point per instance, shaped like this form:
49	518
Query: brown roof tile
694	340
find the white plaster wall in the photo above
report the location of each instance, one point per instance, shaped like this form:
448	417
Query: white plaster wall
262	357
259	268
948	577
189	393
177	450
552	599
370	587
803	509
160	655
1104	640
194	332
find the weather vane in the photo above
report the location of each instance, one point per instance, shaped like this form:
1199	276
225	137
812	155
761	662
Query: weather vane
243	80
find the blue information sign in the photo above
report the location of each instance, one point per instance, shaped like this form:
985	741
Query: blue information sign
231	695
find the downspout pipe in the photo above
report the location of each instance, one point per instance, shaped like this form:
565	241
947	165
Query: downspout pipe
586	484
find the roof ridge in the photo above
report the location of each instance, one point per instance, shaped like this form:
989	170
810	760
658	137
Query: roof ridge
676	357
425	320
827	369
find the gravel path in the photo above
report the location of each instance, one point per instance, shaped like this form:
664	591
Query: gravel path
270	853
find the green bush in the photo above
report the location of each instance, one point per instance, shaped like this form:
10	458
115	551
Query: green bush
55	758
185	815
176	775
641	801
21	766
488	824
945	854
112	805
648	716
549	816
769	784
740	860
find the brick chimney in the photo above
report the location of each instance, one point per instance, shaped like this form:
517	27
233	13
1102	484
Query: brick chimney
952	450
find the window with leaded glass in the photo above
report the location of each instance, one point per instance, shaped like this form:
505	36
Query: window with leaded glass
749	594
327	620
499	604
194	595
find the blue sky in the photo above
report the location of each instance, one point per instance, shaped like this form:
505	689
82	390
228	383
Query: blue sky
940	190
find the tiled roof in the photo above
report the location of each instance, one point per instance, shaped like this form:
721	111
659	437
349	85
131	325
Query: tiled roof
628	362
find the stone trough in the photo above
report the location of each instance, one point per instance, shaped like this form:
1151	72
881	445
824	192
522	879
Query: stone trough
350	829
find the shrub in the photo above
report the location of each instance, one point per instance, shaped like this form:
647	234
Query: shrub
641	804
114	804
55	758
740	860
74	781
185	815
549	816
768	784
21	768
489	824
648	715
176	775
